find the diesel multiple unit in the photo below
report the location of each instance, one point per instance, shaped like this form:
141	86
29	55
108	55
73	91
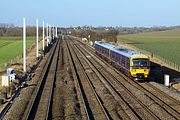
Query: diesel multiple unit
131	62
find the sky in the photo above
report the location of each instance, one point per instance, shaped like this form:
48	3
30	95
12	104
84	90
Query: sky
65	13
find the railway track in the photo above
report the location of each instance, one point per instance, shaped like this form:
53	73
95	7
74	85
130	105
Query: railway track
41	102
166	107
8	106
167	103
166	98
92	103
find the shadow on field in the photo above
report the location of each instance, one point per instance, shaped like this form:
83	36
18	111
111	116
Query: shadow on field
157	73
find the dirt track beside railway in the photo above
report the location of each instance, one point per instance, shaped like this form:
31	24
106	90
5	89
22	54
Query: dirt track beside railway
16	64
21	102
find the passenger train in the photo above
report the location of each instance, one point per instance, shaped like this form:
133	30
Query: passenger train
132	63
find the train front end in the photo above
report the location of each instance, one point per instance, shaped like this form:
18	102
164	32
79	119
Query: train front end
139	66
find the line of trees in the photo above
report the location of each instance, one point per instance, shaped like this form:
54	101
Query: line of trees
109	35
17	31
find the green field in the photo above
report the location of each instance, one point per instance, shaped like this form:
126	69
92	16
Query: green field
165	44
11	47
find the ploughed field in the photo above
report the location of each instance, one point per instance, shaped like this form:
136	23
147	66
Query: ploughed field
11	47
165	44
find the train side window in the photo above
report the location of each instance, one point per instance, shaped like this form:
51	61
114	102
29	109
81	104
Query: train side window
120	59
117	57
107	52
114	57
112	53
127	63
123	61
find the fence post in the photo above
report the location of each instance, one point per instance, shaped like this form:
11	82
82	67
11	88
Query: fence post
166	80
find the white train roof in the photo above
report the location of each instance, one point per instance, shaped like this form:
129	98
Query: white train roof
118	49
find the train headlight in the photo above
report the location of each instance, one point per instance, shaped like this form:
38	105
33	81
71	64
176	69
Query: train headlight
145	70
133	70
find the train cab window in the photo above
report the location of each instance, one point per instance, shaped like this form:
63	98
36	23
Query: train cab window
140	62
145	62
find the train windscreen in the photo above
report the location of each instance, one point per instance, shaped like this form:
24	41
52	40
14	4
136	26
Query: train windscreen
140	62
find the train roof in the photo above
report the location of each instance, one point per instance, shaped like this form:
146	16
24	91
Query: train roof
118	49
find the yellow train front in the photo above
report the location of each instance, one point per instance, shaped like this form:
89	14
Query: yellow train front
132	63
139	66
